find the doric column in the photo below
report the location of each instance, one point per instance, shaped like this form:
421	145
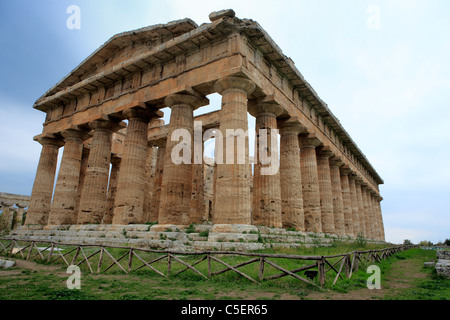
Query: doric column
233	184
177	179
367	215
376	232
157	182
292	213
362	217
326	192
197	203
112	189
83	170
63	210
378	206
310	182
266	179
348	213
355	206
129	203
41	195
94	193
338	202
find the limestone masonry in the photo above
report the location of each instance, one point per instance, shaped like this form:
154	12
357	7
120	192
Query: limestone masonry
116	167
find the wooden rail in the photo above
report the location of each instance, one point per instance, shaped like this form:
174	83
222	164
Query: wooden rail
340	264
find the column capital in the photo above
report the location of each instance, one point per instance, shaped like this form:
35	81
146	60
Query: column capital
353	176
336	162
309	141
257	108
324	152
186	99
345	170
290	126
107	125
358	181
141	111
75	134
49	139
238	83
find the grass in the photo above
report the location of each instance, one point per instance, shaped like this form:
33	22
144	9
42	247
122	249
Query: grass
49	281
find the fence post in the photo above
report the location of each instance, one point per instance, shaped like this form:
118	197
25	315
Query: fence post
321	270
261	269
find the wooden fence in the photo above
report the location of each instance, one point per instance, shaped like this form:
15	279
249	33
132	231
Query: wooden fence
132	259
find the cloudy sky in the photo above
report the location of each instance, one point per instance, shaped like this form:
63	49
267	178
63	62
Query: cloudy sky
382	66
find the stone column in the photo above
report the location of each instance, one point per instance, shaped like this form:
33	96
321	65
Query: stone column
94	194
266	179
367	216
348	213
129	203
310	182
112	189
84	166
157	182
355	206
326	193
63	210
233	206
197	203
292	213
41	195
18	219
177	179
362	218
150	170
378	206
376	232
338	202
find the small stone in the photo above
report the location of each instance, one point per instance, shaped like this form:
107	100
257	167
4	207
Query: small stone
5	264
216	15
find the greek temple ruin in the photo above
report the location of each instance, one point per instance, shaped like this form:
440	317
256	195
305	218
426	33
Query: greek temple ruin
116	166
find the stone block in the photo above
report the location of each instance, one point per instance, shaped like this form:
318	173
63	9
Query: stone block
443	268
232	237
443	254
233	228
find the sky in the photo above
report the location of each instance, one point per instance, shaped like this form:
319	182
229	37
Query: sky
382	66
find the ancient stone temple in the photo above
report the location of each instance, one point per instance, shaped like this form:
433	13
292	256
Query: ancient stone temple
117	165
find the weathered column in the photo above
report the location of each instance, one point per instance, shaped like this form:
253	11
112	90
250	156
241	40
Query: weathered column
292	214
177	179
326	193
41	195
376	231
266	179
362	217
63	210
348	214
197	203
355	207
232	186
112	190
367	215
150	168
94	193
378	206
310	182
157	182
83	170
338	202
129	204
18	219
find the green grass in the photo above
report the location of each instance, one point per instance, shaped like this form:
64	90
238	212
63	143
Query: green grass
146	284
